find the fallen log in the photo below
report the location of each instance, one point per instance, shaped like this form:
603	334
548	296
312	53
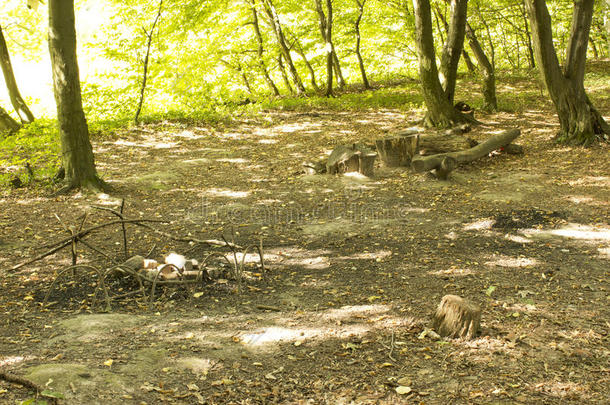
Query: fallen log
434	162
351	158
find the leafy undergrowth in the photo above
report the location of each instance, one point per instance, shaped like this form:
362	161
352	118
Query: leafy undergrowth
355	267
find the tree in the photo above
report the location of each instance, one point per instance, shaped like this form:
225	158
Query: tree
326	29
7	123
487	69
438	98
77	153
21	108
274	21
580	122
260	51
365	80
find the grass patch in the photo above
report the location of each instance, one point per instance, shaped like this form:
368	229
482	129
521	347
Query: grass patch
36	144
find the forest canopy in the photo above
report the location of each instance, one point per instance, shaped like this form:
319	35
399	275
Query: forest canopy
204	54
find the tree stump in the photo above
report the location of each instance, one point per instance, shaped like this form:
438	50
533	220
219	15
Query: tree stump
351	158
400	150
456	317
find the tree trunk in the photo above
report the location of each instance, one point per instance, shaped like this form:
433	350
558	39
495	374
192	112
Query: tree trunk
580	122
453	47
21	108
337	69
7	123
607	25
282	68
469	64
530	49
149	37
440	110
77	153
312	74
487	70
260	52
365	80
323	22
279	34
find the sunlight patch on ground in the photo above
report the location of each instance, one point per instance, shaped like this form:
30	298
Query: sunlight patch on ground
196	161
232	160
517	239
187	134
380	254
298	127
573	231
601	181
453	271
268	141
604	253
275	334
142	144
506	261
11	360
479	225
217	192
560	389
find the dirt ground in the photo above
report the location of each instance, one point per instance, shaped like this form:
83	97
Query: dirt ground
355	268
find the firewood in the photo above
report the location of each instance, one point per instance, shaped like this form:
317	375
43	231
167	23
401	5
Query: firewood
456	317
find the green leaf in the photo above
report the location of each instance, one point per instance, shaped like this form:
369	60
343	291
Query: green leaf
52	394
490	290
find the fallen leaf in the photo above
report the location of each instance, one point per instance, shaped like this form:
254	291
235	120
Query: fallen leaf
108	362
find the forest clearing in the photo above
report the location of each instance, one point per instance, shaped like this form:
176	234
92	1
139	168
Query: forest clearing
220	256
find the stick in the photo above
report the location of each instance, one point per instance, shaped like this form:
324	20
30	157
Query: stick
26	383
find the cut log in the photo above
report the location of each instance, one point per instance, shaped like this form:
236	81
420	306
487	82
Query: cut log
427	163
400	150
351	158
456	317
134	263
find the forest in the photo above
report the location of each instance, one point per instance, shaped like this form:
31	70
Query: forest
304	202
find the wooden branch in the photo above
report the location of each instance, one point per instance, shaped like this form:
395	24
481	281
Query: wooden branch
26	383
434	162
57	246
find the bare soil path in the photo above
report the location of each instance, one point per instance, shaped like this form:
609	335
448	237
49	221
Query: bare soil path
356	267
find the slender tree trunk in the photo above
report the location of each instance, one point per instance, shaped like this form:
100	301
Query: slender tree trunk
530	48
260	52
365	80
312	74
441	112
580	122
149	37
453	47
487	70
468	60
279	34
280	64
21	108
325	24
77	153
337	68
7	123
607	25
330	49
